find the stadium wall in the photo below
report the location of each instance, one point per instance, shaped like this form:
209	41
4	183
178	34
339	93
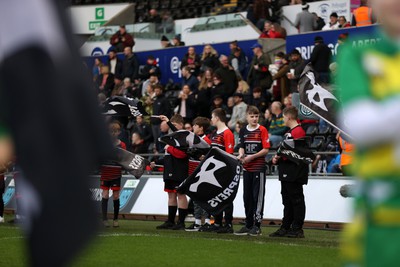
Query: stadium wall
147	197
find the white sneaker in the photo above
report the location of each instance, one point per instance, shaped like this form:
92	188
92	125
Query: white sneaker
1	219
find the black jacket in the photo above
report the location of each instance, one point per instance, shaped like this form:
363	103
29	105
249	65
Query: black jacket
321	58
118	69
230	79
130	67
160	107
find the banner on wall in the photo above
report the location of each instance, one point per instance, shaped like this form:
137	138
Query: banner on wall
359	36
322	8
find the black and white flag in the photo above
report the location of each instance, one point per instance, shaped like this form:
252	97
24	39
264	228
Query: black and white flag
296	151
123	106
317	99
133	163
214	183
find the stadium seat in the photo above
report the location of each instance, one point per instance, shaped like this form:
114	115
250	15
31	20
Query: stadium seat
323	129
312	130
317	143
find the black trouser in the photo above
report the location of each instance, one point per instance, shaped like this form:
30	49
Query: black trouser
294	210
253	197
228	215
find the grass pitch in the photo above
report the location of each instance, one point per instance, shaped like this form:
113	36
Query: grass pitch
138	243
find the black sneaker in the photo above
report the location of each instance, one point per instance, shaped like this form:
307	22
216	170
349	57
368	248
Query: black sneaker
281	232
243	231
296	233
166	225
226	229
179	226
206	228
194	227
255	231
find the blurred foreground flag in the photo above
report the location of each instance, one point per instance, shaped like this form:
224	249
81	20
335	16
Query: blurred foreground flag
52	116
214	183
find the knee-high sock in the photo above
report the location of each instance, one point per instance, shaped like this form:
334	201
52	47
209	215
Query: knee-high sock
116	209
182	215
104	204
172	213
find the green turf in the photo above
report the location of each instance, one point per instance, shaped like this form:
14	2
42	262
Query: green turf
138	243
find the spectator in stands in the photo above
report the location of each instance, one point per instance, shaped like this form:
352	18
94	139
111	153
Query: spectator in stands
218	102
189	79
167	23
115	64
230	103
243	87
186	103
147	101
333	23
277	127
160	106
277	31
296	66
320	22
131	90
321	59
209	58
267	118
238	61
177	41
266	30
219	87
258	100
143	128
228	75
305	21
363	16
105	82
138	145
343	23
239	125
192	60
204	94
238	112
165	43
287	102
130	65
259	74
280	86
150	68
152	80
122	39
96	70
153	17
117	89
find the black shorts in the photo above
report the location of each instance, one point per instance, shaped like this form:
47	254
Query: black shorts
170	186
114	184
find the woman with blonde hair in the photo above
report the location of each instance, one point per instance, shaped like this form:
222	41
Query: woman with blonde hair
209	58
204	93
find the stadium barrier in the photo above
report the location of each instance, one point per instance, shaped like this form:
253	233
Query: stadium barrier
145	196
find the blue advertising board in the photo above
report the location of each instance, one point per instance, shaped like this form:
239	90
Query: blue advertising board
305	42
169	59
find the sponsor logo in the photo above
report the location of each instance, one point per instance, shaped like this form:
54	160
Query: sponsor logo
175	66
97	51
